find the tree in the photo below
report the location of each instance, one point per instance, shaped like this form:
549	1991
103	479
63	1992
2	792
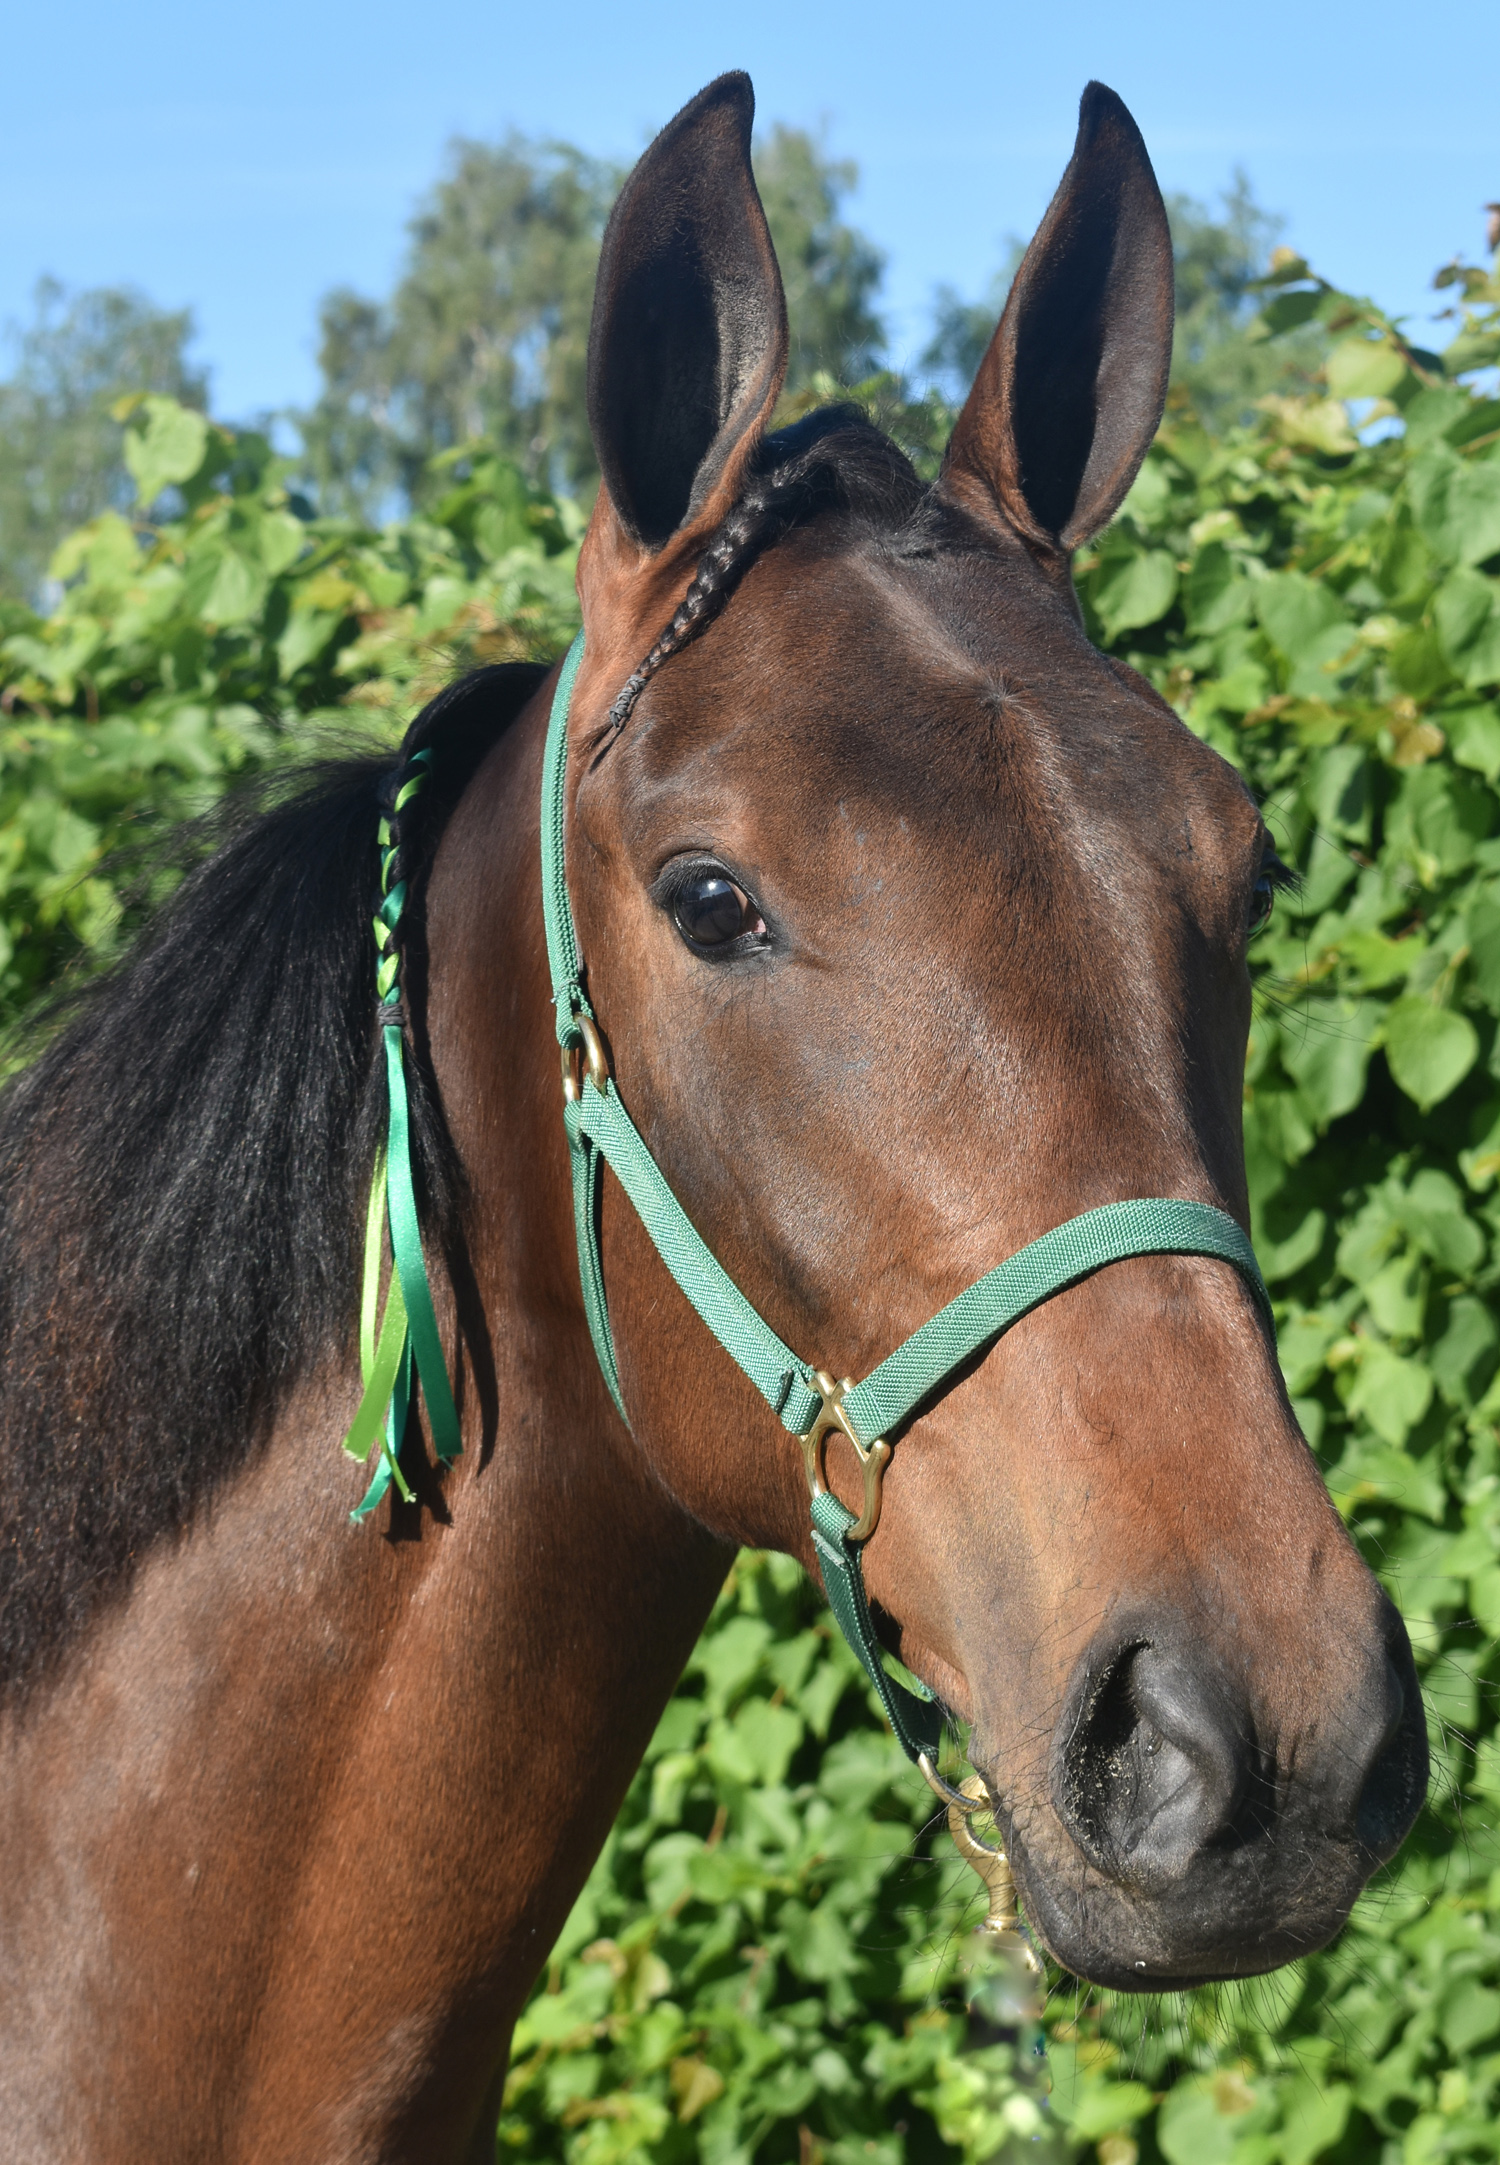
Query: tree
832	273
1218	362
61	447
486	334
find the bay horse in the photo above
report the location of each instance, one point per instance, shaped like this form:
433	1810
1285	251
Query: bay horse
913	926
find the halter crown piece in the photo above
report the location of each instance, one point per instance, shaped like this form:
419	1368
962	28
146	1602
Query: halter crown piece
807	1401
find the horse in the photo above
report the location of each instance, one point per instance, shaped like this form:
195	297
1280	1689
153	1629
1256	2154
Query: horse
912	926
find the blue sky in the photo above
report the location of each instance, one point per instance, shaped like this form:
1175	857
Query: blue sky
242	161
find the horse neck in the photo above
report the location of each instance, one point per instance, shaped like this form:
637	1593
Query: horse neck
311	1803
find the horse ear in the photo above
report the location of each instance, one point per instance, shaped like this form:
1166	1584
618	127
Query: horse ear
1070	393
688	346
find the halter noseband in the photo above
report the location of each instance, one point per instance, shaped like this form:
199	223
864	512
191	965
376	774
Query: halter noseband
807	1401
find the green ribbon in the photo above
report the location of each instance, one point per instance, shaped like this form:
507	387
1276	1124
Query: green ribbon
407	1340
598	1126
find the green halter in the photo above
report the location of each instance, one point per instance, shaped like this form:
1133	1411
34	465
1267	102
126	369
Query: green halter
808	1402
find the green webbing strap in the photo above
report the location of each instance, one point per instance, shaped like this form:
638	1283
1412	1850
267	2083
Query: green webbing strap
408	1337
557	915
781	1379
598	1126
1032	1275
916	1721
568	1002
586	1165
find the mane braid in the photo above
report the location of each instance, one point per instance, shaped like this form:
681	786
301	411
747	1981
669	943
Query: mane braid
183	1172
832	457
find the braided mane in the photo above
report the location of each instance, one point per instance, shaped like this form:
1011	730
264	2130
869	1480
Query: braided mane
832	459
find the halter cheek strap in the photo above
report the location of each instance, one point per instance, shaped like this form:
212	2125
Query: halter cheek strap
807	1401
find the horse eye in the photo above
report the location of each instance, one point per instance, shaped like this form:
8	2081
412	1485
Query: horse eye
710	911
1273	874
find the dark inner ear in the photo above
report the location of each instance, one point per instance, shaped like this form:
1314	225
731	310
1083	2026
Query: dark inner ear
1055	410
688	341
1070	393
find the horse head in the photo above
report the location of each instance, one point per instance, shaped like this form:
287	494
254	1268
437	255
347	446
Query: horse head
915	926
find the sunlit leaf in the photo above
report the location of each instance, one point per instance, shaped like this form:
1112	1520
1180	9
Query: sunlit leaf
1429	1049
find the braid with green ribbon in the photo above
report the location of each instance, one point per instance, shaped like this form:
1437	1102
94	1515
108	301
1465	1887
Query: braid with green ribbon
408	1333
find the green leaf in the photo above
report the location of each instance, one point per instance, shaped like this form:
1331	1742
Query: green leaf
237	592
1337	791
1474	739
1103	2108
1482	661
1457	503
1194	2128
1283	1256
1471	2013
1301	616
307	633
1428	1049
1438	820
169	449
1314	2116
1433	1214
1474	510
1382	1469
1364	368
1216	592
1392	1393
281	540
1461	608
1463	1360
1288	311
1326	1048
1136	592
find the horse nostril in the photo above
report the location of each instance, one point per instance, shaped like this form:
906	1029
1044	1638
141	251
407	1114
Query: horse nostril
1152	1765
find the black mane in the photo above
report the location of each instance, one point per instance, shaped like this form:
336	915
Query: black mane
182	1177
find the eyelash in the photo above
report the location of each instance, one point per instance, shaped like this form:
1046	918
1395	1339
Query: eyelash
1276	877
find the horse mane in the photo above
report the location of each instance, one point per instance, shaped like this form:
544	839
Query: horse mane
183	1167
182	1174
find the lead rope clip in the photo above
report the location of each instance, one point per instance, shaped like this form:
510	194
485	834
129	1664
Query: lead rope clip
1001	1932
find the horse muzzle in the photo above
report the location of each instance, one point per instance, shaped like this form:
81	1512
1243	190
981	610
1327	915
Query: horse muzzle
1183	1839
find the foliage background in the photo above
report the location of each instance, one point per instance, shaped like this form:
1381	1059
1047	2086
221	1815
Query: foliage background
766	1960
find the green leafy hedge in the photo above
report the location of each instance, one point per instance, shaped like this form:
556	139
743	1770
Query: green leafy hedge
231	631
767	1961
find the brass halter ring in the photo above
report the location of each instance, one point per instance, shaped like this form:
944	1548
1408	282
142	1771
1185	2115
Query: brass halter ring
830	1416
575	1057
